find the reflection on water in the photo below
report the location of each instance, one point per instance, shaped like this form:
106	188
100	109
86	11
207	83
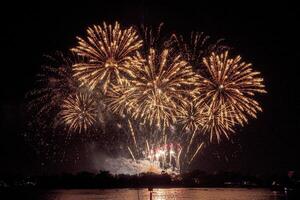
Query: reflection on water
158	194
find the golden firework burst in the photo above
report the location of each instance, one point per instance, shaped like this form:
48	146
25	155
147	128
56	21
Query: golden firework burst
233	83
159	86
78	112
107	48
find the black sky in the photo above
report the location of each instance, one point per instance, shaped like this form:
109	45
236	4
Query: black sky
266	35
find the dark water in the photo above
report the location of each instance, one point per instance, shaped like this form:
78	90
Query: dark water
143	194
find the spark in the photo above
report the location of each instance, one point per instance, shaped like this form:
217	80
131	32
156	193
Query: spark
196	152
132	133
131	154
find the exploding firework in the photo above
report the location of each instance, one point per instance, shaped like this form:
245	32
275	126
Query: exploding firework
191	115
159	86
55	82
78	112
218	121
191	118
196	47
107	49
154	38
233	83
117	98
197	116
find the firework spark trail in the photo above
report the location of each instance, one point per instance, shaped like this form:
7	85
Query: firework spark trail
131	153
178	159
191	141
107	48
196	152
132	134
147	144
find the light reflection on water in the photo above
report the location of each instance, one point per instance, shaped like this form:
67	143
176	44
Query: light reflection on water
165	194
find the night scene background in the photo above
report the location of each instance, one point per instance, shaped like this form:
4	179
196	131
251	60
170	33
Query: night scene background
265	35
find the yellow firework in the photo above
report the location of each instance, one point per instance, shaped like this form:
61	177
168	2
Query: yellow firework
233	83
78	112
107	48
159	86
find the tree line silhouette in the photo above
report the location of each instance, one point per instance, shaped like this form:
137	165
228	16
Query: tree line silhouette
104	179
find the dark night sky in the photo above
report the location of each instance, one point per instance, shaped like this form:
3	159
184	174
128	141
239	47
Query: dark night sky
266	35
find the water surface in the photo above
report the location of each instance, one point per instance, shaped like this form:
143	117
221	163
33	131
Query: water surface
158	194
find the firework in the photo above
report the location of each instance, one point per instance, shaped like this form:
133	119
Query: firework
191	117
166	111
231	82
117	97
196	47
107	48
166	156
153	38
55	82
78	112
159	86
218	121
